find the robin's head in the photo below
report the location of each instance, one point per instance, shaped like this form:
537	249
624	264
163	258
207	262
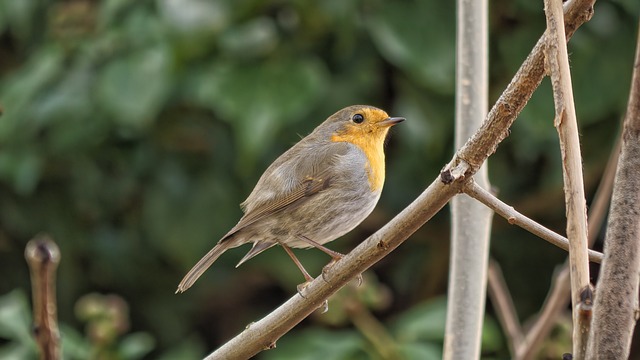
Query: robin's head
365	127
360	125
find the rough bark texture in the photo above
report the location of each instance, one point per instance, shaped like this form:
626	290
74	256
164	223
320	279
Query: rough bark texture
616	299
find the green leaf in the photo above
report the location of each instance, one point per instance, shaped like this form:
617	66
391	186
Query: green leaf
111	11
599	93
318	344
492	339
22	169
74	346
136	345
133	89
399	33
21	17
427	321
15	351
22	89
259	99
15	318
421	351
252	39
190	348
422	322
195	17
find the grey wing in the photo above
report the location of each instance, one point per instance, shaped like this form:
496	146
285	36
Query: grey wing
290	181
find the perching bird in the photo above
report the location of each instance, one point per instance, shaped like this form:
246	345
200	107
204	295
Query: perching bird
318	190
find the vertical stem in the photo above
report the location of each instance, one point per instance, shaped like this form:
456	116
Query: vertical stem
560	292
566	123
43	257
471	222
617	291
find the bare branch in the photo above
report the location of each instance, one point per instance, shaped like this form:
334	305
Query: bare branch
264	333
519	91
560	294
617	288
43	256
553	307
516	218
377	335
576	205
503	305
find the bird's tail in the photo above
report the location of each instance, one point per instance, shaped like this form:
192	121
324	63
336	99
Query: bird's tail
198	269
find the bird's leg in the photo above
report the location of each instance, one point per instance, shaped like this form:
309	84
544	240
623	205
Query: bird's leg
307	277
335	256
304	272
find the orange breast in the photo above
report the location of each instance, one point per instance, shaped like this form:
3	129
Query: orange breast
372	145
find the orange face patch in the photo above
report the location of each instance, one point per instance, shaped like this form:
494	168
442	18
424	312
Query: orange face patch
369	136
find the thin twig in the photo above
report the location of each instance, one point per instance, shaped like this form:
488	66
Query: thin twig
377	335
576	206
264	333
617	290
525	348
43	256
503	305
553	307
560	294
516	218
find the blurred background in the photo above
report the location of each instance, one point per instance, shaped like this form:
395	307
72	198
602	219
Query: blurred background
131	130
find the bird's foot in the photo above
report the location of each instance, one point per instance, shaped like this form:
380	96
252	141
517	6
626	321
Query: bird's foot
359	279
303	286
327	267
324	307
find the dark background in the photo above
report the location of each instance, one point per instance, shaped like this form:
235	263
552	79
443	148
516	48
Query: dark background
131	131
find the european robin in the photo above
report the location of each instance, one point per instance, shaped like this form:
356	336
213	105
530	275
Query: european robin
318	190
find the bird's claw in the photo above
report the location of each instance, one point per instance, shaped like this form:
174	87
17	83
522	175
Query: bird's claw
324	307
325	270
303	286
327	267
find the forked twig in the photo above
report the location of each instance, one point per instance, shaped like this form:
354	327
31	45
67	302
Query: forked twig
559	295
516	218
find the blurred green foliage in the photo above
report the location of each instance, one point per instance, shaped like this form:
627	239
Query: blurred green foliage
131	130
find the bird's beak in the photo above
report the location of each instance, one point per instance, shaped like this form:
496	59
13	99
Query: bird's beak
388	122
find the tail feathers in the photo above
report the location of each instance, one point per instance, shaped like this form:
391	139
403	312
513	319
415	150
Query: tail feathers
202	265
257	248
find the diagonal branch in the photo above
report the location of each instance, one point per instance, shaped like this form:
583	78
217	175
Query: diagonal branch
505	309
516	218
264	333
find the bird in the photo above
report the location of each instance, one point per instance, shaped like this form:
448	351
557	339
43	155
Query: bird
320	189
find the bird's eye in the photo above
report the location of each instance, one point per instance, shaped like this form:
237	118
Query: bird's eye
357	118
